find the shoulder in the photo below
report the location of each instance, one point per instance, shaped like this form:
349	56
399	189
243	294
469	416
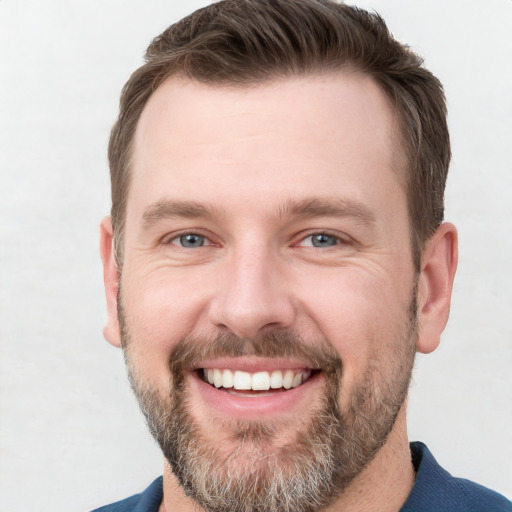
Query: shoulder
436	489
146	501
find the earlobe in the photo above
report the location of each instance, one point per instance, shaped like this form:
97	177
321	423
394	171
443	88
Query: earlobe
111	281
438	266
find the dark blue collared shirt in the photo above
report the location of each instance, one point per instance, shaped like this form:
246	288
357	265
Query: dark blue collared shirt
435	490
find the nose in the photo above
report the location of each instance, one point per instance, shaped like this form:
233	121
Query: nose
252	295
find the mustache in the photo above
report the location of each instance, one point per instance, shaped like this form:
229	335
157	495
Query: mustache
190	351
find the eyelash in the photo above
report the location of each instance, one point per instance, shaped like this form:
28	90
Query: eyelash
338	239
170	241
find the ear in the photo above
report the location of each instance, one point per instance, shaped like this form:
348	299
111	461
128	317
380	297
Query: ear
438	265
111	281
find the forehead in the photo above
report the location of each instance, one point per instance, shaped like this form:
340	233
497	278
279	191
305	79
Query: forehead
321	131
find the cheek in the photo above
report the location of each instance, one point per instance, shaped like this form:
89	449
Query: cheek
162	303
355	310
159	311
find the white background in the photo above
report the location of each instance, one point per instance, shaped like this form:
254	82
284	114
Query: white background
71	436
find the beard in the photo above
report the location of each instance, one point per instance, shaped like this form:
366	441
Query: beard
254	470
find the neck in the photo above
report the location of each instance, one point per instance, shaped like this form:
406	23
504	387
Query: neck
383	485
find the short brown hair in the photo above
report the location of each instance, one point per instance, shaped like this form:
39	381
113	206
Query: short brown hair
251	41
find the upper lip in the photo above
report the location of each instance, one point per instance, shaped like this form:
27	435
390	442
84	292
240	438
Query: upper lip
252	364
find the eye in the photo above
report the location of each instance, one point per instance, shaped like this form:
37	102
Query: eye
190	241
320	240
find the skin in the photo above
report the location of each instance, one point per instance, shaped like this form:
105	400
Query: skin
246	154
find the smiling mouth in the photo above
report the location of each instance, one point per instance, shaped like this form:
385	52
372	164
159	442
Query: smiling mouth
245	383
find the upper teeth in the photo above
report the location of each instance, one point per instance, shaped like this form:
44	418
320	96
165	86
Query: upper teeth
259	381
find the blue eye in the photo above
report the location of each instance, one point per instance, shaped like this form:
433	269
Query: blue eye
190	241
323	240
320	240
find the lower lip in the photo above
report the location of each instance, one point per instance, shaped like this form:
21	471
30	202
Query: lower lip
253	406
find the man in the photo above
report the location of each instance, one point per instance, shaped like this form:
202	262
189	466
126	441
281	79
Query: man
275	258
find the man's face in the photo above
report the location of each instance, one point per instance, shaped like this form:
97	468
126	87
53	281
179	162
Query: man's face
267	247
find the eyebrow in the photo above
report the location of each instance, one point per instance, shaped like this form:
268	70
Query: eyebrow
168	209
329	207
314	207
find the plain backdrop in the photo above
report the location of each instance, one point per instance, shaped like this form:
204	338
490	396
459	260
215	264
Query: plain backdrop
71	435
